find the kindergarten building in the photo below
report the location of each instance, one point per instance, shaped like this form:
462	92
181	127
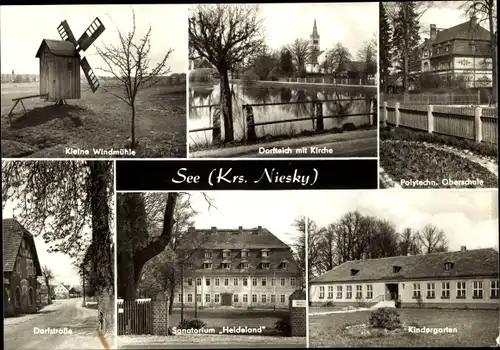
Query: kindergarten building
460	279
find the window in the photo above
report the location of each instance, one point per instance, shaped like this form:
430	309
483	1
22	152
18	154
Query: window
70	65
339	292
283	282
217	298
348	292
226	254
284	265
189	266
31	297
208	254
254	298
226	265
263	298
179	298
448	266
235	281
254	281
494	289
445	290
245	281
322	292
438	50
217	282
473	47
369	291
431	290
461	290
354	272
207	281
265	265
244	254
207	265
207	298
426	53
198	281
292	281
273	298
416	290
226	281
265	253
198	298
330	292
359	291
282	298
477	289
18	264
235	298
245	298
244	265
273	282
396	269
190	298
263	282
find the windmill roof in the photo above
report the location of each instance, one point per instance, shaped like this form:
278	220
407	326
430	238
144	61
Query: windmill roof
58	48
469	263
13	234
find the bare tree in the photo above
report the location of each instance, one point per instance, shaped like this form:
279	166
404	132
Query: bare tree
433	239
486	11
301	52
336	59
225	35
409	242
48	276
128	63
368	54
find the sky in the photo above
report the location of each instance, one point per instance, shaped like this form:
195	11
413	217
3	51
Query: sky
349	23
444	14
60	264
273	210
468	217
24	27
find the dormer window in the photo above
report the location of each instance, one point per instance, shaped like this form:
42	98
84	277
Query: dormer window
284	265
244	265
396	269
207	265
208	254
265	253
226	265
448	266
265	265
473	47
354	272
226	253
244	253
189	266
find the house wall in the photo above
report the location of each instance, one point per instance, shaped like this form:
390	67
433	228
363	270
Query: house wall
280	292
59	76
406	295
61	292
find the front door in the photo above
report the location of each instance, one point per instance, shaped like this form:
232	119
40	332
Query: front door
225	299
392	291
51	81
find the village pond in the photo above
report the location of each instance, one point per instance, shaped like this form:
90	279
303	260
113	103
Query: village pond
351	105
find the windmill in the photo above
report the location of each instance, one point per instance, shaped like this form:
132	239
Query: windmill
60	61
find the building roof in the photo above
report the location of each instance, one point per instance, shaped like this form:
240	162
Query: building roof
315	30
58	48
468	263
469	30
13	234
253	241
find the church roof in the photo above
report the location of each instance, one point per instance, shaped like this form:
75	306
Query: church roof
315	30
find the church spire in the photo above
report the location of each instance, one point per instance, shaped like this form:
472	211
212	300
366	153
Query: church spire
315	30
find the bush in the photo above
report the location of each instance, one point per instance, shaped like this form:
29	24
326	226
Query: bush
385	317
202	75
398	304
283	326
193	323
420	302
249	77
329	304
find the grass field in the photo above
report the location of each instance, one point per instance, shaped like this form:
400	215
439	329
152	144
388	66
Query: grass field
98	120
476	328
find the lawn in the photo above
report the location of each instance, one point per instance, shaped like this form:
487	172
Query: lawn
98	120
476	328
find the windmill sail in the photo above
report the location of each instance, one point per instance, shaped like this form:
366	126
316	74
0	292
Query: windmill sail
66	33
89	74
91	34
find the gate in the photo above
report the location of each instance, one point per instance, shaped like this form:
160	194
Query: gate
135	317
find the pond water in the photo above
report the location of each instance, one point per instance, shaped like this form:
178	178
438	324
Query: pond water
357	103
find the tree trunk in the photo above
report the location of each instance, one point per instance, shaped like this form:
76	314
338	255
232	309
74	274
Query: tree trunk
226	106
103	257
171	300
132	127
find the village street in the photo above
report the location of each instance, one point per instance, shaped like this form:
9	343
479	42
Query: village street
19	332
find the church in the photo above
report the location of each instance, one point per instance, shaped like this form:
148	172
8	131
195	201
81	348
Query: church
316	57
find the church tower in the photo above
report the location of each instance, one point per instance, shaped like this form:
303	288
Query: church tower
314	38
315	51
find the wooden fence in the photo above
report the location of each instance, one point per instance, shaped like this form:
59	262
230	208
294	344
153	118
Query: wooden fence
331	80
135	317
316	115
473	123
433	99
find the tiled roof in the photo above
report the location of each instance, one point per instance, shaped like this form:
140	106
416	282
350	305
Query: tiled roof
469	263
58	48
253	241
13	233
463	31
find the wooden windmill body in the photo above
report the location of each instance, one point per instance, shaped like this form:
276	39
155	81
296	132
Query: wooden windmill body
60	63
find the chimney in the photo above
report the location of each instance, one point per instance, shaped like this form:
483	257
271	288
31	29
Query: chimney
214	229
463	248
240	229
433	32
259	229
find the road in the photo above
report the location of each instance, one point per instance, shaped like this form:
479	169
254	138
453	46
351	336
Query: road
20	332
358	143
